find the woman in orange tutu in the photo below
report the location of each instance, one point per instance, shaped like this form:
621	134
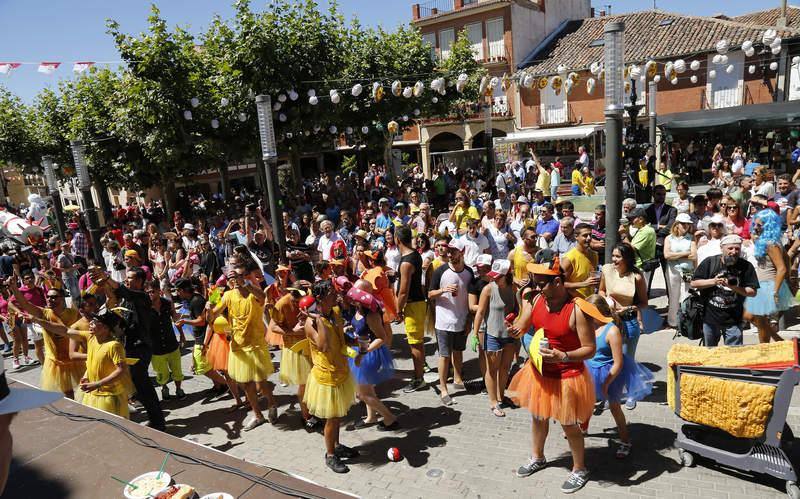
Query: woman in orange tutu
275	292
563	390
216	347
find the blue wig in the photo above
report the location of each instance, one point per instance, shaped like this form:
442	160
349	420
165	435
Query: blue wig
771	233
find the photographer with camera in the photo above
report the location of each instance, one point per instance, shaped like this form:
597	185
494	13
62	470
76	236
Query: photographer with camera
724	282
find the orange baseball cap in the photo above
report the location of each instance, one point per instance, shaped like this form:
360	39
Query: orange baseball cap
545	262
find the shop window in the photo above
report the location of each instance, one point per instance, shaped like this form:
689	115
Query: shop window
726	89
430	39
553	107
495	35
475	36
446	39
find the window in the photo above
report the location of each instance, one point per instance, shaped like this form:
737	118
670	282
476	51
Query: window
430	39
495	34
475	36
553	107
597	43
666	22
727	88
446	39
500	101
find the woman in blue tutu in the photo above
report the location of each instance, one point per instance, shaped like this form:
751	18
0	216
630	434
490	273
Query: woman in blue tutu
616	376
374	363
773	295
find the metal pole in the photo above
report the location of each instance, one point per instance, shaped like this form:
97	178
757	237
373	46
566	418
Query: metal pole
651	97
614	59
269	151
85	184
487	136
52	187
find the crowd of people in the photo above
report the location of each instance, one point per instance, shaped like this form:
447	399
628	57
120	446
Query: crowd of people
502	265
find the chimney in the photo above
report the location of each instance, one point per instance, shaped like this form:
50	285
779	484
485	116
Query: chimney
415	11
781	23
591	12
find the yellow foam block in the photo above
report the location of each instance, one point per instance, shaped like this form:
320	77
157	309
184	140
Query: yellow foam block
737	407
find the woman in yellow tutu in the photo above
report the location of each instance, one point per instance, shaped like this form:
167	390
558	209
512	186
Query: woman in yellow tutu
217	347
249	361
59	372
104	385
295	365
562	387
275	292
330	390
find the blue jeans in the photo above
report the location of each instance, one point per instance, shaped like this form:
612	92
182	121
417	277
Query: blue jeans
576	190
632	332
733	335
554	192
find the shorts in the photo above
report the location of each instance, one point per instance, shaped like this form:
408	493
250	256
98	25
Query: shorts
165	364
450	341
495	344
415	314
199	362
35	332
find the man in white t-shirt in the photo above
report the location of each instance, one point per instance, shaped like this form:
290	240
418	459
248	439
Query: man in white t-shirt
450	294
326	240
475	244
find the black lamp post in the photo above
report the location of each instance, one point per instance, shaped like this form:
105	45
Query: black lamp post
269	153
85	185
52	188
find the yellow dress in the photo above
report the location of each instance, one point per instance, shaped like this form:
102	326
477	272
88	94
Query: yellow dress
249	358
330	390
582	266
59	373
294	365
103	359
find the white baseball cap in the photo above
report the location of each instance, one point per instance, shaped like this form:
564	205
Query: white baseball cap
683	218
499	269
484	259
457	244
20	399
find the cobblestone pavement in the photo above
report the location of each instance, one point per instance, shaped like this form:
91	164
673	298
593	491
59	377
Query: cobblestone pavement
465	451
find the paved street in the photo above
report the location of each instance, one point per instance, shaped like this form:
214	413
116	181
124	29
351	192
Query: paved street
465	451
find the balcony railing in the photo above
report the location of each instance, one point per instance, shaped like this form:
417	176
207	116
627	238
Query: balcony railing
436	7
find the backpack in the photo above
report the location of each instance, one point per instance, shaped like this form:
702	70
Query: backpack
690	316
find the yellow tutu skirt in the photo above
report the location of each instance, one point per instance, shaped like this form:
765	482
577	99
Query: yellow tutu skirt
295	367
115	404
250	364
567	400
218	351
61	376
326	401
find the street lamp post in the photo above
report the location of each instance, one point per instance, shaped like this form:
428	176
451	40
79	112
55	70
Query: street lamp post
85	185
651	98
52	187
487	137
614	37
269	153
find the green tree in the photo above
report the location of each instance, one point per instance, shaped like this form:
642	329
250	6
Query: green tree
16	147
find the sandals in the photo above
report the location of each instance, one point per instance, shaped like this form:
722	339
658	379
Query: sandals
623	450
363	423
497	411
446	399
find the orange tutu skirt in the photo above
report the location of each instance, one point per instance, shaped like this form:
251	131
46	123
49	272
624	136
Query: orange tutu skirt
217	353
567	400
274	339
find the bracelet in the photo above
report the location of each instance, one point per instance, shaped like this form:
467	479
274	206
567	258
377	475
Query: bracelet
566	357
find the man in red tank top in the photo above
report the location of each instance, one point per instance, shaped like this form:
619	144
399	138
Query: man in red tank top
563	389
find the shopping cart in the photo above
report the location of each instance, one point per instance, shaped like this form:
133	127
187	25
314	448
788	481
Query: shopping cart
765	454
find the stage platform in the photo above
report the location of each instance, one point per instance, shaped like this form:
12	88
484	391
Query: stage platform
75	456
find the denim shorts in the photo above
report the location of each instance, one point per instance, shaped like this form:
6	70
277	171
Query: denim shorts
495	344
450	341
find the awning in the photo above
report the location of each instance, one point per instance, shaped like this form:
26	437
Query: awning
405	143
542	134
771	114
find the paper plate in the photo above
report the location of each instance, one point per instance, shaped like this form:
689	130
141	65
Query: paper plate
140	492
165	489
218	495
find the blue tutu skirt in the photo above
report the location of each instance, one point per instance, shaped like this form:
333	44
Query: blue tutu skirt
376	367
763	303
632	383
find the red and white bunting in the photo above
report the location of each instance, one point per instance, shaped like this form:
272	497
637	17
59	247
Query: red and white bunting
48	68
8	67
80	67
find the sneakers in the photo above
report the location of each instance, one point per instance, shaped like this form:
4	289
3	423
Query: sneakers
29	361
165	393
253	423
415	385
7	350
272	415
15	365
630	404
426	368
532	466
335	464
344	452
180	394
575	481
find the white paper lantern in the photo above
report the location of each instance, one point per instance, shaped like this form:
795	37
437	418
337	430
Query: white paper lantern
461	82
590	84
657	78
729	69
483	85
680	66
317	128
674	81
568	86
747	45
795	60
768	36
712	74
397	87
435	99
293	95
716	59
335	97
195	102
668	69
695	65
650	67
356	90
215	123
594	68
307	133
289	135
365	129
405	117
776	42
242	117
635	72
722	46
750	52
282	118
562	69
224	101
187	115
348	130
313	100
408	92
723	60
311	92
332	129
751	69
419	87
276	106
416	112
776	50
693	79
528	81
493	83
281	98
773	66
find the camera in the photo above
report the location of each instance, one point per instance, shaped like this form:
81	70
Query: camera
251	208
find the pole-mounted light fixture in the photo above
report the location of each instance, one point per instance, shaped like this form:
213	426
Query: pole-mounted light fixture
614	39
79	155
266	130
49	174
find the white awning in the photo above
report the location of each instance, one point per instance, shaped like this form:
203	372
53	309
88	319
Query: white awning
542	134
402	143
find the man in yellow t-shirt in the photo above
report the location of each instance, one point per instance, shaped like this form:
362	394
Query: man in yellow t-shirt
579	264
249	361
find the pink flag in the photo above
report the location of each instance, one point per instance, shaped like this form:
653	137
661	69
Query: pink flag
80	67
8	67
48	68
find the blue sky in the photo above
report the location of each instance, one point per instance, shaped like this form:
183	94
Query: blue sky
74	30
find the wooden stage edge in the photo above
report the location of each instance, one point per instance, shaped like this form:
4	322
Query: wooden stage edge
58	457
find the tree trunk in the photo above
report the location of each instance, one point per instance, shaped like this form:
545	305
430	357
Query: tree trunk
105	200
224	180
168	190
294	161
